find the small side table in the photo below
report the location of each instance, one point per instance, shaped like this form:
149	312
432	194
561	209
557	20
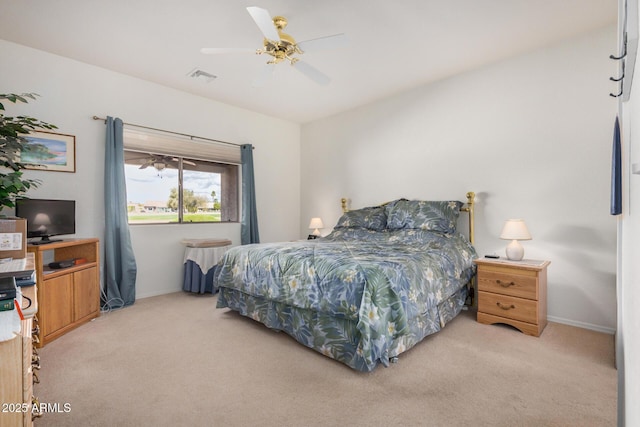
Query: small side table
513	293
201	257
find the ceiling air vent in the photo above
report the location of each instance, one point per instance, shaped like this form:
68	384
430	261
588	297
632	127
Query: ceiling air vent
197	73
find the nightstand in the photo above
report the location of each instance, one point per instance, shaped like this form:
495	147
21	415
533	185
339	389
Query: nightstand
513	293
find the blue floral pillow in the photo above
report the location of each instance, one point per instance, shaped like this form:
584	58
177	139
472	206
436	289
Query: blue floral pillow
373	218
441	216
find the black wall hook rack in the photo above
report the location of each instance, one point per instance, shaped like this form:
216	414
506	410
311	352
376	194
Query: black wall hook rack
627	46
618	79
624	49
618	58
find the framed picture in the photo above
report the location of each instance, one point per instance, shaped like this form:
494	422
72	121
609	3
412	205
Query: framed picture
50	151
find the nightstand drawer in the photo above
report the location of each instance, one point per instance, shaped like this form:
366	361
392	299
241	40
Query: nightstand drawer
506	283
510	307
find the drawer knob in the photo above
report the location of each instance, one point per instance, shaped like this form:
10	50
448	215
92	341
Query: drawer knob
505	307
505	284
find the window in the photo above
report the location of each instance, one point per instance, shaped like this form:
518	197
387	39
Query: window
173	188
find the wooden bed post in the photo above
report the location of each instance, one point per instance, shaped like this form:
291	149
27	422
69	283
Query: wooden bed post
344	205
471	196
473	284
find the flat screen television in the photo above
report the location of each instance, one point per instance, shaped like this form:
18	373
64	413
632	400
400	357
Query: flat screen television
47	218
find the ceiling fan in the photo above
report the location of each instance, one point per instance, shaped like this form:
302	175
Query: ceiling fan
161	162
282	47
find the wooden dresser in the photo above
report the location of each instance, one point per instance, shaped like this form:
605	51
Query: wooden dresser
513	293
68	296
18	360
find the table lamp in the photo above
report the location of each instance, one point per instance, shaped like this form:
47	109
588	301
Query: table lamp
316	224
515	230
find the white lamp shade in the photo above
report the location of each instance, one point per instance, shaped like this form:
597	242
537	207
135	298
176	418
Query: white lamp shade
316	224
515	229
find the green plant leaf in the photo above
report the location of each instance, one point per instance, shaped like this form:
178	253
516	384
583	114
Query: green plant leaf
12	144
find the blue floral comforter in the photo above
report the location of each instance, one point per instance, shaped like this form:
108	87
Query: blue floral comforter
359	296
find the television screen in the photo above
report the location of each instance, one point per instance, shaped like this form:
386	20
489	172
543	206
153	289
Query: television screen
46	218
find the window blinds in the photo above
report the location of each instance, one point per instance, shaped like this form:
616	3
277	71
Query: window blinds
180	145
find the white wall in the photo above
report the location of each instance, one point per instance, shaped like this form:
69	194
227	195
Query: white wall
629	296
630	255
72	92
530	135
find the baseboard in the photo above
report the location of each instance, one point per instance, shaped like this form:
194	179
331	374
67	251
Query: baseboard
584	325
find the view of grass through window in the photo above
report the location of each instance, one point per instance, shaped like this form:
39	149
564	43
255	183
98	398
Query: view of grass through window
153	189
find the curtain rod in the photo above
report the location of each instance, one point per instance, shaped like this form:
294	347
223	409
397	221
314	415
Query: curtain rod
171	132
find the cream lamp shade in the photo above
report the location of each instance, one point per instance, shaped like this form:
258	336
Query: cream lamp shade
316	224
515	230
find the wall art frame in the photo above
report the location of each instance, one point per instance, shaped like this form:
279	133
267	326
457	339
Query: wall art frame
50	151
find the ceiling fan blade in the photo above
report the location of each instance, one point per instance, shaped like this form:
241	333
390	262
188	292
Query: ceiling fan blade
328	42
311	72
263	20
137	159
216	50
265	75
185	161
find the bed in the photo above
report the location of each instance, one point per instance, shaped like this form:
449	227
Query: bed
385	278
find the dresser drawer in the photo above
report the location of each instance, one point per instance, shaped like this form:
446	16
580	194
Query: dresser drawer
510	307
508	283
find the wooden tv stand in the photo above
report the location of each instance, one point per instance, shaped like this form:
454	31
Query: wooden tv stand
67	297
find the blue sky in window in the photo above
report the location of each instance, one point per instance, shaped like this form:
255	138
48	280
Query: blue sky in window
149	184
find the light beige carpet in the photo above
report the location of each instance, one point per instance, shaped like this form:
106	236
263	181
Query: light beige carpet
175	360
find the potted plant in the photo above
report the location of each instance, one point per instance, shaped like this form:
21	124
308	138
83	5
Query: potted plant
12	143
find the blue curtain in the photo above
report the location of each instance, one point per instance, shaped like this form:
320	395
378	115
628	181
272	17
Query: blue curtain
249	224
616	171
119	262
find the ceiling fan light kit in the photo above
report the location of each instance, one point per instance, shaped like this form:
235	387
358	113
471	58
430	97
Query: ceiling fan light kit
283	47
